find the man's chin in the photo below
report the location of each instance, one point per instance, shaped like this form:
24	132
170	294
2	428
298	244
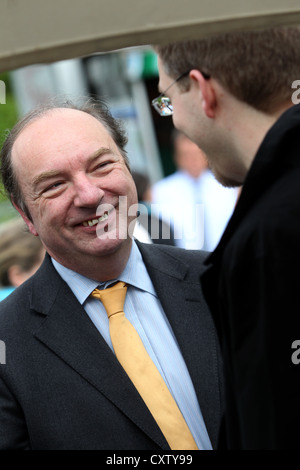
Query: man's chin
225	181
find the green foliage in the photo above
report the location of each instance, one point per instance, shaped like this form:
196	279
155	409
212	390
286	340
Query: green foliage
2	195
8	111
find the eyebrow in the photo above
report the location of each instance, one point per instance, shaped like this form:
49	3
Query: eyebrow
53	173
99	152
44	176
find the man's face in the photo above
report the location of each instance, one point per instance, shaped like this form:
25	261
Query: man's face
71	173
190	117
185	110
189	157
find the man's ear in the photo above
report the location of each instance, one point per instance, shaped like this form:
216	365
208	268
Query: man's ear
27	221
15	275
207	90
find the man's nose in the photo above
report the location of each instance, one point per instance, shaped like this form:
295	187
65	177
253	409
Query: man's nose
87	193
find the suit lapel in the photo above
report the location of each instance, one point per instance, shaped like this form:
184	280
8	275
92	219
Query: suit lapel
69	333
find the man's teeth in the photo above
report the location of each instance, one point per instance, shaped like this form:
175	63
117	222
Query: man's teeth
91	223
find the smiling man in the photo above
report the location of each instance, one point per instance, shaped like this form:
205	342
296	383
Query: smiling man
69	167
69	381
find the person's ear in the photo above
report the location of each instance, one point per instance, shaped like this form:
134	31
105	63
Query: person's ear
27	221
206	87
15	275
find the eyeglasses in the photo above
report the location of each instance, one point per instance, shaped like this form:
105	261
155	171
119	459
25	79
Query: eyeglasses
162	104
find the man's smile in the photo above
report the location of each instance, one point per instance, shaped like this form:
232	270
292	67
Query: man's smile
95	221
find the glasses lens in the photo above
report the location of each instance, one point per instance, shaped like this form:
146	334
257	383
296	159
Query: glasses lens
163	106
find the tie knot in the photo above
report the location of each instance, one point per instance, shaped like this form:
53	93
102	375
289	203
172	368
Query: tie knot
113	298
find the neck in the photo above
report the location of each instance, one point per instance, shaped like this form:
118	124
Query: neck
246	128
104	267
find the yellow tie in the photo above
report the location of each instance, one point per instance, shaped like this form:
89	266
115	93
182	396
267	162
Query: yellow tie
141	370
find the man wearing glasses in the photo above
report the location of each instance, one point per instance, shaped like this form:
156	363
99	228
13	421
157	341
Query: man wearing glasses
232	95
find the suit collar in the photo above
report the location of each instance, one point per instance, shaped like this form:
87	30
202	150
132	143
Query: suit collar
46	284
134	274
163	262
276	154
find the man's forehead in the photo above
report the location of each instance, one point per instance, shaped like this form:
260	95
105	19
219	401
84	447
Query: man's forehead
64	115
60	129
50	127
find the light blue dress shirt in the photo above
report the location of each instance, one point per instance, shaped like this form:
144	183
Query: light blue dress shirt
5	291
143	309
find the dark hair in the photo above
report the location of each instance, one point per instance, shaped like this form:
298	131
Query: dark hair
98	109
257	67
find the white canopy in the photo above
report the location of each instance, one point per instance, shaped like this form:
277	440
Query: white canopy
35	31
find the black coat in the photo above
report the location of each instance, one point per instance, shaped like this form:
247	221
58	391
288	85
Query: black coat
252	286
63	388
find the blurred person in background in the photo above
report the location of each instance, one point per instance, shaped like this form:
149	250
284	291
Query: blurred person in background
192	200
159	231
20	255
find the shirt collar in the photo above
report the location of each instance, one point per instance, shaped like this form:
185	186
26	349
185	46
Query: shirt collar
135	274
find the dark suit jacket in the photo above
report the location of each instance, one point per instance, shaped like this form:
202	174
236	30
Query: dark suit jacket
62	387
252	287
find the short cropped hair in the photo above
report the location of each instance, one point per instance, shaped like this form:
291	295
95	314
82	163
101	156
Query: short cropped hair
96	108
256	67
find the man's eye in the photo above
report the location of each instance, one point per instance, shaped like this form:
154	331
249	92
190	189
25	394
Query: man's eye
103	165
52	186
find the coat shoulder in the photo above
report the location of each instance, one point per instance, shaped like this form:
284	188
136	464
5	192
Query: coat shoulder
176	252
